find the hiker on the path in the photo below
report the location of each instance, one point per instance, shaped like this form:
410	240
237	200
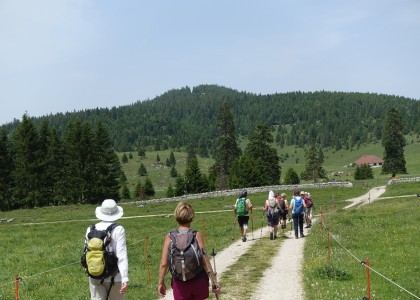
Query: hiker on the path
308	210
192	281
242	208
297	206
108	213
272	210
284	210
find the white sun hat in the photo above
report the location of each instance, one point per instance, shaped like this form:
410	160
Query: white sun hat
109	211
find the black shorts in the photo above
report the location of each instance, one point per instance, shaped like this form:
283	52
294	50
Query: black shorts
243	220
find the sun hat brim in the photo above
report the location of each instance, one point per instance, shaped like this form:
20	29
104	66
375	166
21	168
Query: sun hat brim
104	217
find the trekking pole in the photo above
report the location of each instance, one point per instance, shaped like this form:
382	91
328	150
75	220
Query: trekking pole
213	254
262	224
147	258
252	224
233	229
211	274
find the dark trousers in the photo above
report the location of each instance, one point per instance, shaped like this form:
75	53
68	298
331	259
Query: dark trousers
298	221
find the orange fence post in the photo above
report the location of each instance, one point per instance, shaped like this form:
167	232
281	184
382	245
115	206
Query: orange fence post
147	258
17	279
203	223
329	248
368	278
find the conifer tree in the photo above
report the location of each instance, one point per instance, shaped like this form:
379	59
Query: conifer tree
125	192
174	172
170	191
193	176
227	149
314	160
5	172
291	177
149	190
26	159
142	170
124	158
393	142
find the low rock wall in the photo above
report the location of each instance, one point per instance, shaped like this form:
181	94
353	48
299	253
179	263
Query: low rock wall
251	190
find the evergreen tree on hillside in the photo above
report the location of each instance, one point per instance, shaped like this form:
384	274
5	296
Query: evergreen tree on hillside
314	160
393	142
194	182
149	190
291	177
142	170
124	158
108	167
26	158
227	149
5	172
363	172
259	148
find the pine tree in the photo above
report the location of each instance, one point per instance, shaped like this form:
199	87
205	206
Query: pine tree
172	160
259	148
174	172
148	187
291	177
157	158
142	170
363	172
26	159
124	158
170	191
179	186
125	192
227	149
314	160
5	172
193	176
394	142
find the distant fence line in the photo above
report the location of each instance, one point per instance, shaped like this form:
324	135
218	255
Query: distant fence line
404	179
260	189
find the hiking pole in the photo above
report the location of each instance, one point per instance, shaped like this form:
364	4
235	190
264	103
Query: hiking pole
252	224
262	224
211	273
233	229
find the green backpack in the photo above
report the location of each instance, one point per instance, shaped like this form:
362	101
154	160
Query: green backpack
241	207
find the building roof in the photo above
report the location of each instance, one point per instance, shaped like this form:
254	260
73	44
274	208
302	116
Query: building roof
369	159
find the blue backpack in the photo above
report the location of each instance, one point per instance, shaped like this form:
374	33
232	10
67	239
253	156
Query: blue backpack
298	206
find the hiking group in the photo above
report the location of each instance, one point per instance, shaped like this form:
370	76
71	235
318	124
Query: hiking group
105	256
276	209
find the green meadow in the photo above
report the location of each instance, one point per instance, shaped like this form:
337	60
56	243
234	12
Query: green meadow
43	246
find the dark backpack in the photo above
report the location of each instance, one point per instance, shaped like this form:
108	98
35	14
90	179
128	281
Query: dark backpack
282	206
184	255
273	209
97	260
241	207
309	202
298	206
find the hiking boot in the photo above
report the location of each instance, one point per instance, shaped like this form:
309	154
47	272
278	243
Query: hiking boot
302	235
275	236
307	226
244	239
296	237
271	235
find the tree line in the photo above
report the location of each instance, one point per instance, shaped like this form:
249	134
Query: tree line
187	116
40	167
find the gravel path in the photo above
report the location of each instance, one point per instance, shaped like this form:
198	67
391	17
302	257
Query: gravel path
286	268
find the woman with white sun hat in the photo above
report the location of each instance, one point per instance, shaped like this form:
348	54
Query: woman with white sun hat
112	287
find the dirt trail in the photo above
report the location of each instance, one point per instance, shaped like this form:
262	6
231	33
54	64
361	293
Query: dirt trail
286	269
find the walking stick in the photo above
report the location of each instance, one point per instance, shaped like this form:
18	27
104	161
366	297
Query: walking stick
262	224
211	274
233	229
252	224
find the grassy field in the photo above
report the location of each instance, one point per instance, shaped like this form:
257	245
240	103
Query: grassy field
335	161
43	246
386	232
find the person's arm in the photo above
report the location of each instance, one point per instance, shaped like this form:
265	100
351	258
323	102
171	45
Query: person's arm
163	267
207	265
121	252
291	205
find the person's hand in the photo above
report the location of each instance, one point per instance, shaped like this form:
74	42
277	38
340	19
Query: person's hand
216	289
124	287
162	289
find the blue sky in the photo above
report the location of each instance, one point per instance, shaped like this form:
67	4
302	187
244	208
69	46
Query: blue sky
66	55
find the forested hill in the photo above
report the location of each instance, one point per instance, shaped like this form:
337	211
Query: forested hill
188	116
